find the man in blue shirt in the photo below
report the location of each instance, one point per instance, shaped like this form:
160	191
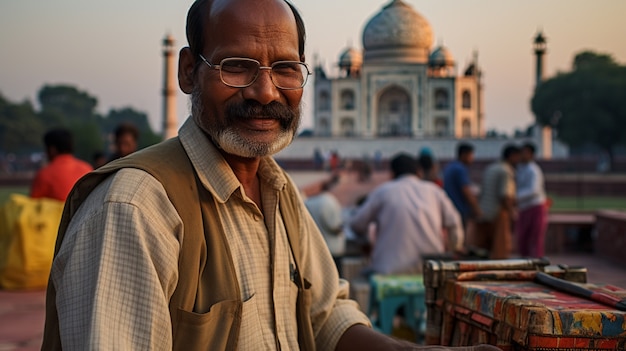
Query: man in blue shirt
458	186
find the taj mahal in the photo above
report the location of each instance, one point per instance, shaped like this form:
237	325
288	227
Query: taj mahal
399	85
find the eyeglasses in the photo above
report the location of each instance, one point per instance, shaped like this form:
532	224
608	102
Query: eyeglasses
240	72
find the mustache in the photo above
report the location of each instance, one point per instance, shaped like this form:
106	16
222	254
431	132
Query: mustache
250	109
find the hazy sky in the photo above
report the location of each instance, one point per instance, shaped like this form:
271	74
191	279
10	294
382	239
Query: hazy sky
112	49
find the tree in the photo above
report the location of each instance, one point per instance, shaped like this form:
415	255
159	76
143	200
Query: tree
586	105
66	104
20	128
88	139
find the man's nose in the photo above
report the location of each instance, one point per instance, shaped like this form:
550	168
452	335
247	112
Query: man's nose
262	89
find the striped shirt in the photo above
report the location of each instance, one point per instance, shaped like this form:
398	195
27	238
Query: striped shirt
114	276
498	183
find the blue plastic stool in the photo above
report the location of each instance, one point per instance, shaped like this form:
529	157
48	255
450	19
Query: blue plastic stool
388	293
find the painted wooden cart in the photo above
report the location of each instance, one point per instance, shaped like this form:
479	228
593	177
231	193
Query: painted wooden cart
515	305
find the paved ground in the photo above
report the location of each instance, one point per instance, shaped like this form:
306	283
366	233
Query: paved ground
22	312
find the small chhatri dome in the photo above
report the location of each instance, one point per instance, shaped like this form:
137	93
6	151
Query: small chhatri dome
441	56
540	38
350	57
168	40
350	62
397	33
540	43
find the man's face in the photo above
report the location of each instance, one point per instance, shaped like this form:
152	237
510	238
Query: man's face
515	158
467	157
125	144
526	155
260	119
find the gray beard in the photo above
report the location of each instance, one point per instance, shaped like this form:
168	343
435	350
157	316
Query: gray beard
230	141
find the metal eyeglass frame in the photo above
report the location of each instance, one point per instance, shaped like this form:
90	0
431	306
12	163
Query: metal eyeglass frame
270	68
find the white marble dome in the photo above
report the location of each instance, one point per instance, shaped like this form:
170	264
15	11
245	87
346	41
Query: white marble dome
397	33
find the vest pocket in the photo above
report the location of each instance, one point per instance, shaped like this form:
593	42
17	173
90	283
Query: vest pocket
208	331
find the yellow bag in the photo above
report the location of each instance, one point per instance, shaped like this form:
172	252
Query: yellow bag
28	231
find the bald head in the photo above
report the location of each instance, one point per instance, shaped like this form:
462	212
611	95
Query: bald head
204	12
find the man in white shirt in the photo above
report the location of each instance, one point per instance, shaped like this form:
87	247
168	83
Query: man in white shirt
410	214
531	226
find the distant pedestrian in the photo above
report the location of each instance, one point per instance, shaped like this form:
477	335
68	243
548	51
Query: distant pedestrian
99	159
428	166
378	160
333	162
318	159
126	140
531	225
497	203
458	185
55	180
409	214
327	214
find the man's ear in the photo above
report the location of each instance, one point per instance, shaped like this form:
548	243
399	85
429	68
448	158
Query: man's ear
186	66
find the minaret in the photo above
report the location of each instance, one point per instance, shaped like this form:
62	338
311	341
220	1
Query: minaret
170	121
540	46
480	106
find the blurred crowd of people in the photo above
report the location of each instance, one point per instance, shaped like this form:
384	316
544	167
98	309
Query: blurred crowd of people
422	210
428	211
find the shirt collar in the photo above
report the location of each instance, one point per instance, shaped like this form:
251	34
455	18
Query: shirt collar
214	172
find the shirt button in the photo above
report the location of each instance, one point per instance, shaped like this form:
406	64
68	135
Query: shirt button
257	217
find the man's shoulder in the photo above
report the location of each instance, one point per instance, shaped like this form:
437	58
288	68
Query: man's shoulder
448	168
324	199
431	187
162	158
455	168
491	173
385	188
406	183
143	174
497	168
130	185
82	164
503	172
535	166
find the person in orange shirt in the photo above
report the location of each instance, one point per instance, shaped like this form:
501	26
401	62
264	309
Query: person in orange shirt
56	179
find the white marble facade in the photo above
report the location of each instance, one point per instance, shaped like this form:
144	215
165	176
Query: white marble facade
399	85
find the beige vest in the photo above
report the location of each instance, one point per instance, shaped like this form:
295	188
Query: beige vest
207	279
